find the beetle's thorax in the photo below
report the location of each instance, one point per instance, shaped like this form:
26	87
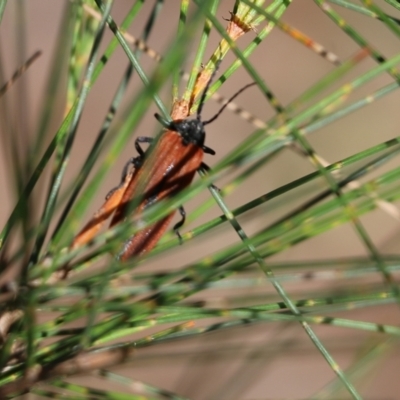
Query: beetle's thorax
192	131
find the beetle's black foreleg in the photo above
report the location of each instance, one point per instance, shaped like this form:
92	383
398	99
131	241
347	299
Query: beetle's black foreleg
207	150
142	139
136	162
205	168
180	223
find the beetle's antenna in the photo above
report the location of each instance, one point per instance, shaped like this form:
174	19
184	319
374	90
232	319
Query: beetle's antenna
226	104
166	124
19	72
204	94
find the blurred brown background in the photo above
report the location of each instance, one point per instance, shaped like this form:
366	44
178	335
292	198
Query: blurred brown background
273	361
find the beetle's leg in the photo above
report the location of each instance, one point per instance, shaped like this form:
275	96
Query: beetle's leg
136	162
180	223
204	167
142	139
207	150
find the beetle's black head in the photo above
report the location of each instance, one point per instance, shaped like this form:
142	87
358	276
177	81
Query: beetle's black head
191	130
